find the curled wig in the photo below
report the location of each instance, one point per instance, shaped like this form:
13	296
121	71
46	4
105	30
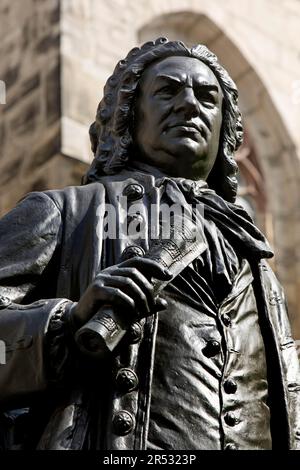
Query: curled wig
110	134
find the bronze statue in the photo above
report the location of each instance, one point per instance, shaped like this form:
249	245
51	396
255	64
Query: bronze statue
133	340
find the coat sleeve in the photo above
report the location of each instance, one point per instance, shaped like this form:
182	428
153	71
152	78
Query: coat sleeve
29	237
290	367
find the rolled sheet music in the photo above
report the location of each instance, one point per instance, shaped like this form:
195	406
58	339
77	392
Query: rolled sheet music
185	242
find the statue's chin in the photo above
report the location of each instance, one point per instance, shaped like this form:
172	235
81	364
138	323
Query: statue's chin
178	158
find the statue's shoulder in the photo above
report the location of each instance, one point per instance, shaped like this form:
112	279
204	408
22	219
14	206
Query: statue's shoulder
79	197
75	195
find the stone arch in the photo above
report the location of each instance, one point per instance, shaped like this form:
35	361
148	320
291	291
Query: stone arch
269	136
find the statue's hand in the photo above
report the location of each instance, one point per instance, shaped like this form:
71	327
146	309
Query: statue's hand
125	286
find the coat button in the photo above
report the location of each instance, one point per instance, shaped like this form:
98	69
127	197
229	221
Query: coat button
231	419
230	446
126	380
132	251
230	386
212	348
123	423
135	333
226	319
133	192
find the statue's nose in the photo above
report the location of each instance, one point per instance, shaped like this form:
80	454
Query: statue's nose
187	102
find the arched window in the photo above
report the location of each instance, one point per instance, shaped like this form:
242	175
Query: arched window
252	187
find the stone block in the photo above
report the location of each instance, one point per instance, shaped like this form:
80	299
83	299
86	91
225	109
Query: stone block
75	140
26	87
11	75
52	98
48	42
11	171
47	149
27	119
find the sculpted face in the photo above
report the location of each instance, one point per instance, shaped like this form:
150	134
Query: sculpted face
178	117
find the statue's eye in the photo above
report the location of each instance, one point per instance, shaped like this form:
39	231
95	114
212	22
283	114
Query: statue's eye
167	90
206	98
208	103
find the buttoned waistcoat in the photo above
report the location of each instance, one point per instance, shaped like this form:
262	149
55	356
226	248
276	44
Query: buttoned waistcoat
52	245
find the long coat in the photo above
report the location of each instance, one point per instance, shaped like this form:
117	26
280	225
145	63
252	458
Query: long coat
51	248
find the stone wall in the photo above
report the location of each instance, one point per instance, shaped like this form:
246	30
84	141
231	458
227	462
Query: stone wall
29	121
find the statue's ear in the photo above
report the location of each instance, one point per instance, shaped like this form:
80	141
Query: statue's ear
94	137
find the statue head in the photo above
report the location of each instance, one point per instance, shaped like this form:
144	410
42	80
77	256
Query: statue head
127	116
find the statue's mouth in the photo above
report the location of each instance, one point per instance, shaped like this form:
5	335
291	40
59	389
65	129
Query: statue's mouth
188	126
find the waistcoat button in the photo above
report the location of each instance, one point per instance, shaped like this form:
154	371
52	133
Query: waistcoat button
133	192
226	319
231	419
132	251
126	380
123	423
212	348
230	386
135	333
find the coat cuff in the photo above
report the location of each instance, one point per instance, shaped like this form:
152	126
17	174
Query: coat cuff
24	362
60	348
